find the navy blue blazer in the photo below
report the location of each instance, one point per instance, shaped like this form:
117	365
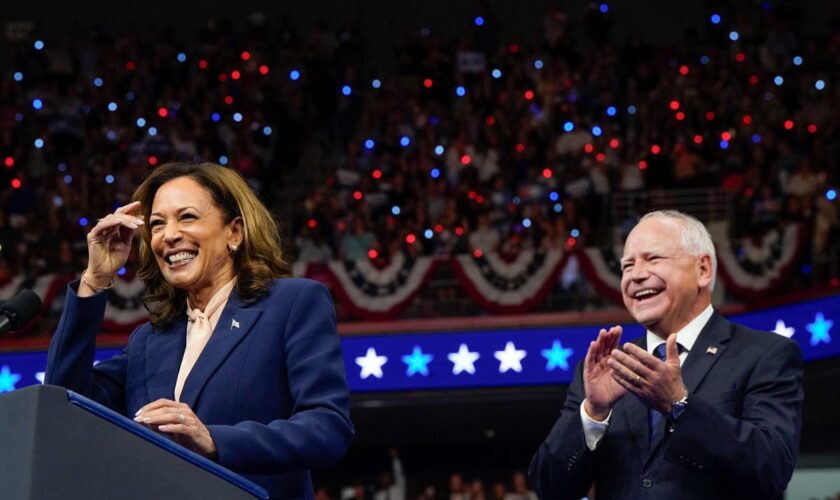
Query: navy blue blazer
738	437
270	385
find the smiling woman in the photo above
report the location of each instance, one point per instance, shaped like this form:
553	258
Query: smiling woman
239	362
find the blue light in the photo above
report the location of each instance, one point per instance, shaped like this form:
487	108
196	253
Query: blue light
428	234
57	201
831	194
724	144
215	117
604	8
111	135
558	208
237	117
346	90
68	179
553	196
223	160
376	83
715	19
797	61
575	232
121	272
460	91
433	120
611	111
112	106
778	80
538	64
526	222
806	269
97	82
267	131
39	45
516	200
109	179
395	210
496	73
83	221
756	138
294	75
819	85
130	96
405	141
370	144
734	36
435	173
18	76
439	150
631	109
182	57
39	143
18	117
152	131
62	167
704	60
37	103
141	122
596	131
479	21
568	126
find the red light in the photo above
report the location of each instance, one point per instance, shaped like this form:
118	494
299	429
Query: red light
410	239
312	223
342	225
163	112
571	242
529	94
16	183
153	160
357	195
788	124
9	162
372	254
710	115
263	69
490	121
675	105
245	55
835	282
477	253
698	139
202	64
680	116
642	164
812	128
222	77
228	100
235	74
520	147
514	48
614	143
683	70
130	65
465	160
600	157
428	83
438	228
589	148
547	173
479	199
459	231
753	79
747	119
740	57
749	192
655	149
376	174
726	136
471	195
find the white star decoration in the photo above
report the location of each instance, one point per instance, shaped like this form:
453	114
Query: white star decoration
463	360
510	358
40	376
781	329
371	364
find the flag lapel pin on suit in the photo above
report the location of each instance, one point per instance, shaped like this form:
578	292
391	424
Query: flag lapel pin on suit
234	324
711	350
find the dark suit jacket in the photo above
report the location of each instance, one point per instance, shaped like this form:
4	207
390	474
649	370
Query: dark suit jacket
270	384
738	437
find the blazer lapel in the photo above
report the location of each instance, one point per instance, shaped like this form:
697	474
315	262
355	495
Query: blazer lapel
234	324
164	351
709	347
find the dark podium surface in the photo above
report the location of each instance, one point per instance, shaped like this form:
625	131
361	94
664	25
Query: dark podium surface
57	444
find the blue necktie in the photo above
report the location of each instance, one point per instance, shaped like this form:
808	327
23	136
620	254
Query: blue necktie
654	417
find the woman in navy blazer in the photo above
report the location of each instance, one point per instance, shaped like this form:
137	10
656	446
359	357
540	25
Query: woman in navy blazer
267	395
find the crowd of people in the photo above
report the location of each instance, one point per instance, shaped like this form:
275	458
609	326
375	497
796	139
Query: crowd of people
480	141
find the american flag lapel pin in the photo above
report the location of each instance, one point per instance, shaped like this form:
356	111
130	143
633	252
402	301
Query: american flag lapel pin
711	350
234	324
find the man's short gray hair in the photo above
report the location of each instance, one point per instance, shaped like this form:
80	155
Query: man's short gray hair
696	239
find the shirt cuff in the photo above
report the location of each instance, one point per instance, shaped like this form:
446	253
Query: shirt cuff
593	430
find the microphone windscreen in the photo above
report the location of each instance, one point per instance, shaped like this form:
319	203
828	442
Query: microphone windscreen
21	308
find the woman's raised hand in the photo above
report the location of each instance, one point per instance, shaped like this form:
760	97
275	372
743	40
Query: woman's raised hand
109	243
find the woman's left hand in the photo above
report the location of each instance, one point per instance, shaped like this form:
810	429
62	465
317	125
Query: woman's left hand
178	420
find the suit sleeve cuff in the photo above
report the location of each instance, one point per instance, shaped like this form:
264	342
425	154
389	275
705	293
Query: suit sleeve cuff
593	430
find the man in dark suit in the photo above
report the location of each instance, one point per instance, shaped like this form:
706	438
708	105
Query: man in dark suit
697	408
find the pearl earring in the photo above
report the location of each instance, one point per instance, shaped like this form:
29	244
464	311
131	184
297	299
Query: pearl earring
232	249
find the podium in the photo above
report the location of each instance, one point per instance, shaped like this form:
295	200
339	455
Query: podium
55	443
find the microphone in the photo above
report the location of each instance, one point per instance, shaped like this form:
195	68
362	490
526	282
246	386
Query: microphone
19	310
